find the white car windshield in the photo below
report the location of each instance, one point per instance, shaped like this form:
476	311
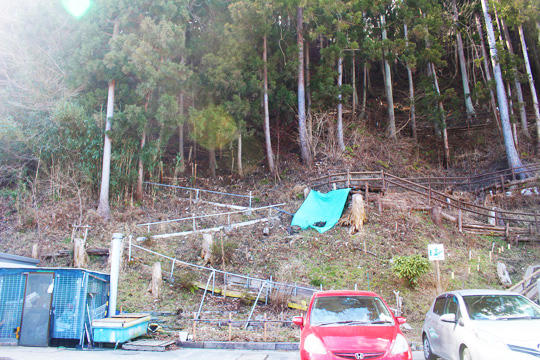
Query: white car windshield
500	307
349	310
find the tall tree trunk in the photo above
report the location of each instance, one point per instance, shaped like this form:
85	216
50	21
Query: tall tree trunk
304	148
388	86
517	84
239	155
309	116
212	162
411	89
103	208
341	143
463	65
269	153
512	156
531	85
354	93
487	70
364	91
444	134
140	175
181	158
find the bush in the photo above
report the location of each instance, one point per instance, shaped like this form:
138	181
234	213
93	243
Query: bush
410	268
226	254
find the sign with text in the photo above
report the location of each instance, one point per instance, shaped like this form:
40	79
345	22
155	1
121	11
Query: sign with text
435	252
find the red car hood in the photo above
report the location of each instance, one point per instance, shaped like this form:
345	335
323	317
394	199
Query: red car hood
356	338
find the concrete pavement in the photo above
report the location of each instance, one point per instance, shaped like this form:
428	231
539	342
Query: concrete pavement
51	353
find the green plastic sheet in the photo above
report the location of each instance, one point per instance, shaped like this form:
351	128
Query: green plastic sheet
321	211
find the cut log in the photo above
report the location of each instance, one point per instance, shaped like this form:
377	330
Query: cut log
504	278
207	245
80	259
35	251
59	253
357	216
436	215
155	284
98	251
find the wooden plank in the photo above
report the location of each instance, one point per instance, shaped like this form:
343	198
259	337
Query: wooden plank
148	345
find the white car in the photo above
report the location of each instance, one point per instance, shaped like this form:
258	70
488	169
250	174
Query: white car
482	324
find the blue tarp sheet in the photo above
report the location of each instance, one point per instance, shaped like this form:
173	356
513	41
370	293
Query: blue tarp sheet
321	209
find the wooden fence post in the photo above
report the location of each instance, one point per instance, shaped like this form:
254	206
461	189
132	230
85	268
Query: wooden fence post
230	326
264	327
367	192
460	221
429	190
194	326
348	178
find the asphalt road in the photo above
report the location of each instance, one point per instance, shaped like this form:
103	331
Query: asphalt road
29	353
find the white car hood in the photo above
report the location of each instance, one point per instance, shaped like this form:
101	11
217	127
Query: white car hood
524	333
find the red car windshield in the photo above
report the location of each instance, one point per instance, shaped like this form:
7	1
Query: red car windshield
353	310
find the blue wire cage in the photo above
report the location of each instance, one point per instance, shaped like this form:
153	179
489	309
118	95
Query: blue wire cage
78	297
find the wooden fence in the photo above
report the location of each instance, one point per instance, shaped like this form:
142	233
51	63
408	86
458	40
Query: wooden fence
519	224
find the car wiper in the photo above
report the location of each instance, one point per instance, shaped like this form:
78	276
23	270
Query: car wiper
382	322
522	317
344	322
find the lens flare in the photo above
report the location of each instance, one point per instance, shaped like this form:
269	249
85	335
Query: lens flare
77	8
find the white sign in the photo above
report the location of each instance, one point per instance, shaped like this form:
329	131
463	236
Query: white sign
435	252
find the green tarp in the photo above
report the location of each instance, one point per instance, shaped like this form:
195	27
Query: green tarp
321	211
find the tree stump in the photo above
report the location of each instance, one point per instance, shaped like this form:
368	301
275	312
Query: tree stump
207	245
436	215
504	277
80	259
358	214
306	192
35	251
155	284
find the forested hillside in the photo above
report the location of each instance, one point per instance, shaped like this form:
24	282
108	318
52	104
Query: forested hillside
103	95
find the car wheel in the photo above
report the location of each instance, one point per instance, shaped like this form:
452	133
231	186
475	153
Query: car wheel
466	354
428	355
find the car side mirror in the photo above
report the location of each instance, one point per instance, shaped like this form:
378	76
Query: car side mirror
298	321
450	318
401	320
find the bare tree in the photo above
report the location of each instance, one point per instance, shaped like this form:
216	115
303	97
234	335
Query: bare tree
103	208
531	84
269	153
487	70
388	86
341	143
511	154
463	66
304	148
411	88
517	84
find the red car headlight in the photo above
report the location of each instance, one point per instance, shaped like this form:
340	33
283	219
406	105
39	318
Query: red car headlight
314	345
400	345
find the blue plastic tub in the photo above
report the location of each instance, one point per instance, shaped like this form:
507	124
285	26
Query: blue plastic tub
120	328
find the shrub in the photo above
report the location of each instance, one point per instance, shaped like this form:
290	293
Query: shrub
226	254
410	268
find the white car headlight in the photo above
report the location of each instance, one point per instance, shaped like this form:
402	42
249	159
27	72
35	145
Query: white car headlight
400	345
314	345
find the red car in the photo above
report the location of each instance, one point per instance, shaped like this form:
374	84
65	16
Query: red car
351	325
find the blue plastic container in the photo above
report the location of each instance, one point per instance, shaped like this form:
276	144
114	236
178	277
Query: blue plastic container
120	328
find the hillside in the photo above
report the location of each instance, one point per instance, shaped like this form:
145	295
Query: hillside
333	260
